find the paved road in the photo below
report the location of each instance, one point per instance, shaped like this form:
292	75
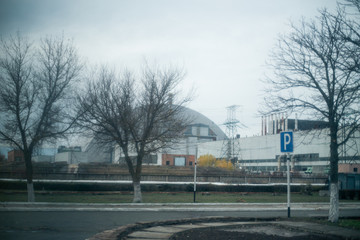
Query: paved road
69	221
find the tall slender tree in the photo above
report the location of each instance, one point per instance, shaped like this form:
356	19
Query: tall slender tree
316	70
139	114
36	85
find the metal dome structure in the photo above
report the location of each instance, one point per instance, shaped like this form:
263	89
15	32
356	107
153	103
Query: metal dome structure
199	119
201	129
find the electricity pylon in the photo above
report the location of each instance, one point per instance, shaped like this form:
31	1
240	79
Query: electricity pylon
231	147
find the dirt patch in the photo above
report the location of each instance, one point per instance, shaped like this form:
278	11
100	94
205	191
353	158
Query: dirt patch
248	232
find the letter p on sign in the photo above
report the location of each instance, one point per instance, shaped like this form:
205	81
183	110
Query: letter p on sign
286	142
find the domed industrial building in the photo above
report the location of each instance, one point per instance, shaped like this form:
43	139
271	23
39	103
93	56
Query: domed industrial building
201	129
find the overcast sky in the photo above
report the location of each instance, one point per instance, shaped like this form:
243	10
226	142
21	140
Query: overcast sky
221	44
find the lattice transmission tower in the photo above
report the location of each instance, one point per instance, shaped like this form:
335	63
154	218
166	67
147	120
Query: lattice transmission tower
231	147
349	151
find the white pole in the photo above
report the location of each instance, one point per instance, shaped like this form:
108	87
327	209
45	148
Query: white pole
288	182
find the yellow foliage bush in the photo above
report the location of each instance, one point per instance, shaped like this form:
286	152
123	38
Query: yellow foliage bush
209	160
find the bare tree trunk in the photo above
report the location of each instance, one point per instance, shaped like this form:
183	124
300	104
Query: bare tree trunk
29	177
30	192
334	187
137	192
334	203
135	176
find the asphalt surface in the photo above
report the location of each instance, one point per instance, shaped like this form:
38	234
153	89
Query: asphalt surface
83	221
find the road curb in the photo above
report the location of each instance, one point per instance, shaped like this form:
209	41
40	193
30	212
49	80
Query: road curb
194	207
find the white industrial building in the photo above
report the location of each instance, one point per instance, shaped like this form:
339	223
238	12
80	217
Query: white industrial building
253	154
71	155
262	153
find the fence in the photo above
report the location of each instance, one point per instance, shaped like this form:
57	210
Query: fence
245	179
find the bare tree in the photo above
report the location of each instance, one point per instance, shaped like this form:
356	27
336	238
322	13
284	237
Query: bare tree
351	30
316	70
36	87
141	115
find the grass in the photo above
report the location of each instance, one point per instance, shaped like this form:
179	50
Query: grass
352	223
158	197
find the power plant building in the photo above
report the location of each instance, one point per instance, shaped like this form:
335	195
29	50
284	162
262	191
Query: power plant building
311	147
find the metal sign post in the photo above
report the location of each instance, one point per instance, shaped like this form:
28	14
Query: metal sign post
288	182
195	173
195	182
287	146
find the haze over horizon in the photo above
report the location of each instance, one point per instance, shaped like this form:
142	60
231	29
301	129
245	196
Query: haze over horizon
222	45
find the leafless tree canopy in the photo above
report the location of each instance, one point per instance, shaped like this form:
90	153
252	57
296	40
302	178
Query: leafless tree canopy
35	88
141	114
317	71
35	85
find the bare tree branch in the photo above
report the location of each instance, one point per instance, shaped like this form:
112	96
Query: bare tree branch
317	70
34	97
140	114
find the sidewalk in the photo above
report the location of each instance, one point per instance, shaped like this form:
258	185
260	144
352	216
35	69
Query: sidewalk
43	206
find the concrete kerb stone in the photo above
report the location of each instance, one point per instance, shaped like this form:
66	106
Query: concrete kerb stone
44	206
123	231
113	234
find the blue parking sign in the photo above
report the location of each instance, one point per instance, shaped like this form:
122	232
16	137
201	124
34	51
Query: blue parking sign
286	142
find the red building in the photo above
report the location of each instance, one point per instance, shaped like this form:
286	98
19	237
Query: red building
15	156
349	168
178	160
